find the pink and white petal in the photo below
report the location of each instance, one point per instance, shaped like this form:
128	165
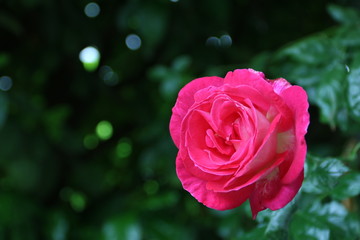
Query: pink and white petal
297	163
250	178
285	193
243	77
216	200
296	98
263	127
273	194
279	85
185	100
254	168
265	154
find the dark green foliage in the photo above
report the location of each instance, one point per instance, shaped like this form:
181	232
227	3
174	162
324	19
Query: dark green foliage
327	65
85	150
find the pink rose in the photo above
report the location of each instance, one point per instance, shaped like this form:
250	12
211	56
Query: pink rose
241	137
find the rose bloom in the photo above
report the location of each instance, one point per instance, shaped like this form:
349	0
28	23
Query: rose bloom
240	137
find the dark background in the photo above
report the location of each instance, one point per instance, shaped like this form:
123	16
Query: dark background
59	179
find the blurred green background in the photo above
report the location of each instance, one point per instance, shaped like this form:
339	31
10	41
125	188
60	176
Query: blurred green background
86	91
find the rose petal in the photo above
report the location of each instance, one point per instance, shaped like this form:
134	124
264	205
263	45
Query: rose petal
197	150
196	171
218	143
248	77
223	113
216	200
279	85
185	100
254	166
296	97
250	178
266	87
266	151
263	127
285	193
240	93
273	194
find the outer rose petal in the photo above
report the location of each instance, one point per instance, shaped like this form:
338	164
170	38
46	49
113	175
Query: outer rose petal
216	200
185	100
279	85
296	97
248	77
285	193
273	194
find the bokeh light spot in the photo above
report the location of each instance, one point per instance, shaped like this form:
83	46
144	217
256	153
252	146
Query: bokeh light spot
133	42
225	41
104	130
213	41
92	10
91	141
90	58
123	148
5	83
109	77
151	187
77	201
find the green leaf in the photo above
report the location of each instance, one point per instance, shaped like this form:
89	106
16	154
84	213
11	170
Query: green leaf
305	226
330	92
124	227
311	50
348	186
321	64
347	36
161	201
336	216
343	14
323	221
322	174
163	228
257	233
279	221
352	152
353	81
181	64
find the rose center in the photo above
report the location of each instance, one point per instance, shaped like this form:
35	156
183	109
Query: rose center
214	140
